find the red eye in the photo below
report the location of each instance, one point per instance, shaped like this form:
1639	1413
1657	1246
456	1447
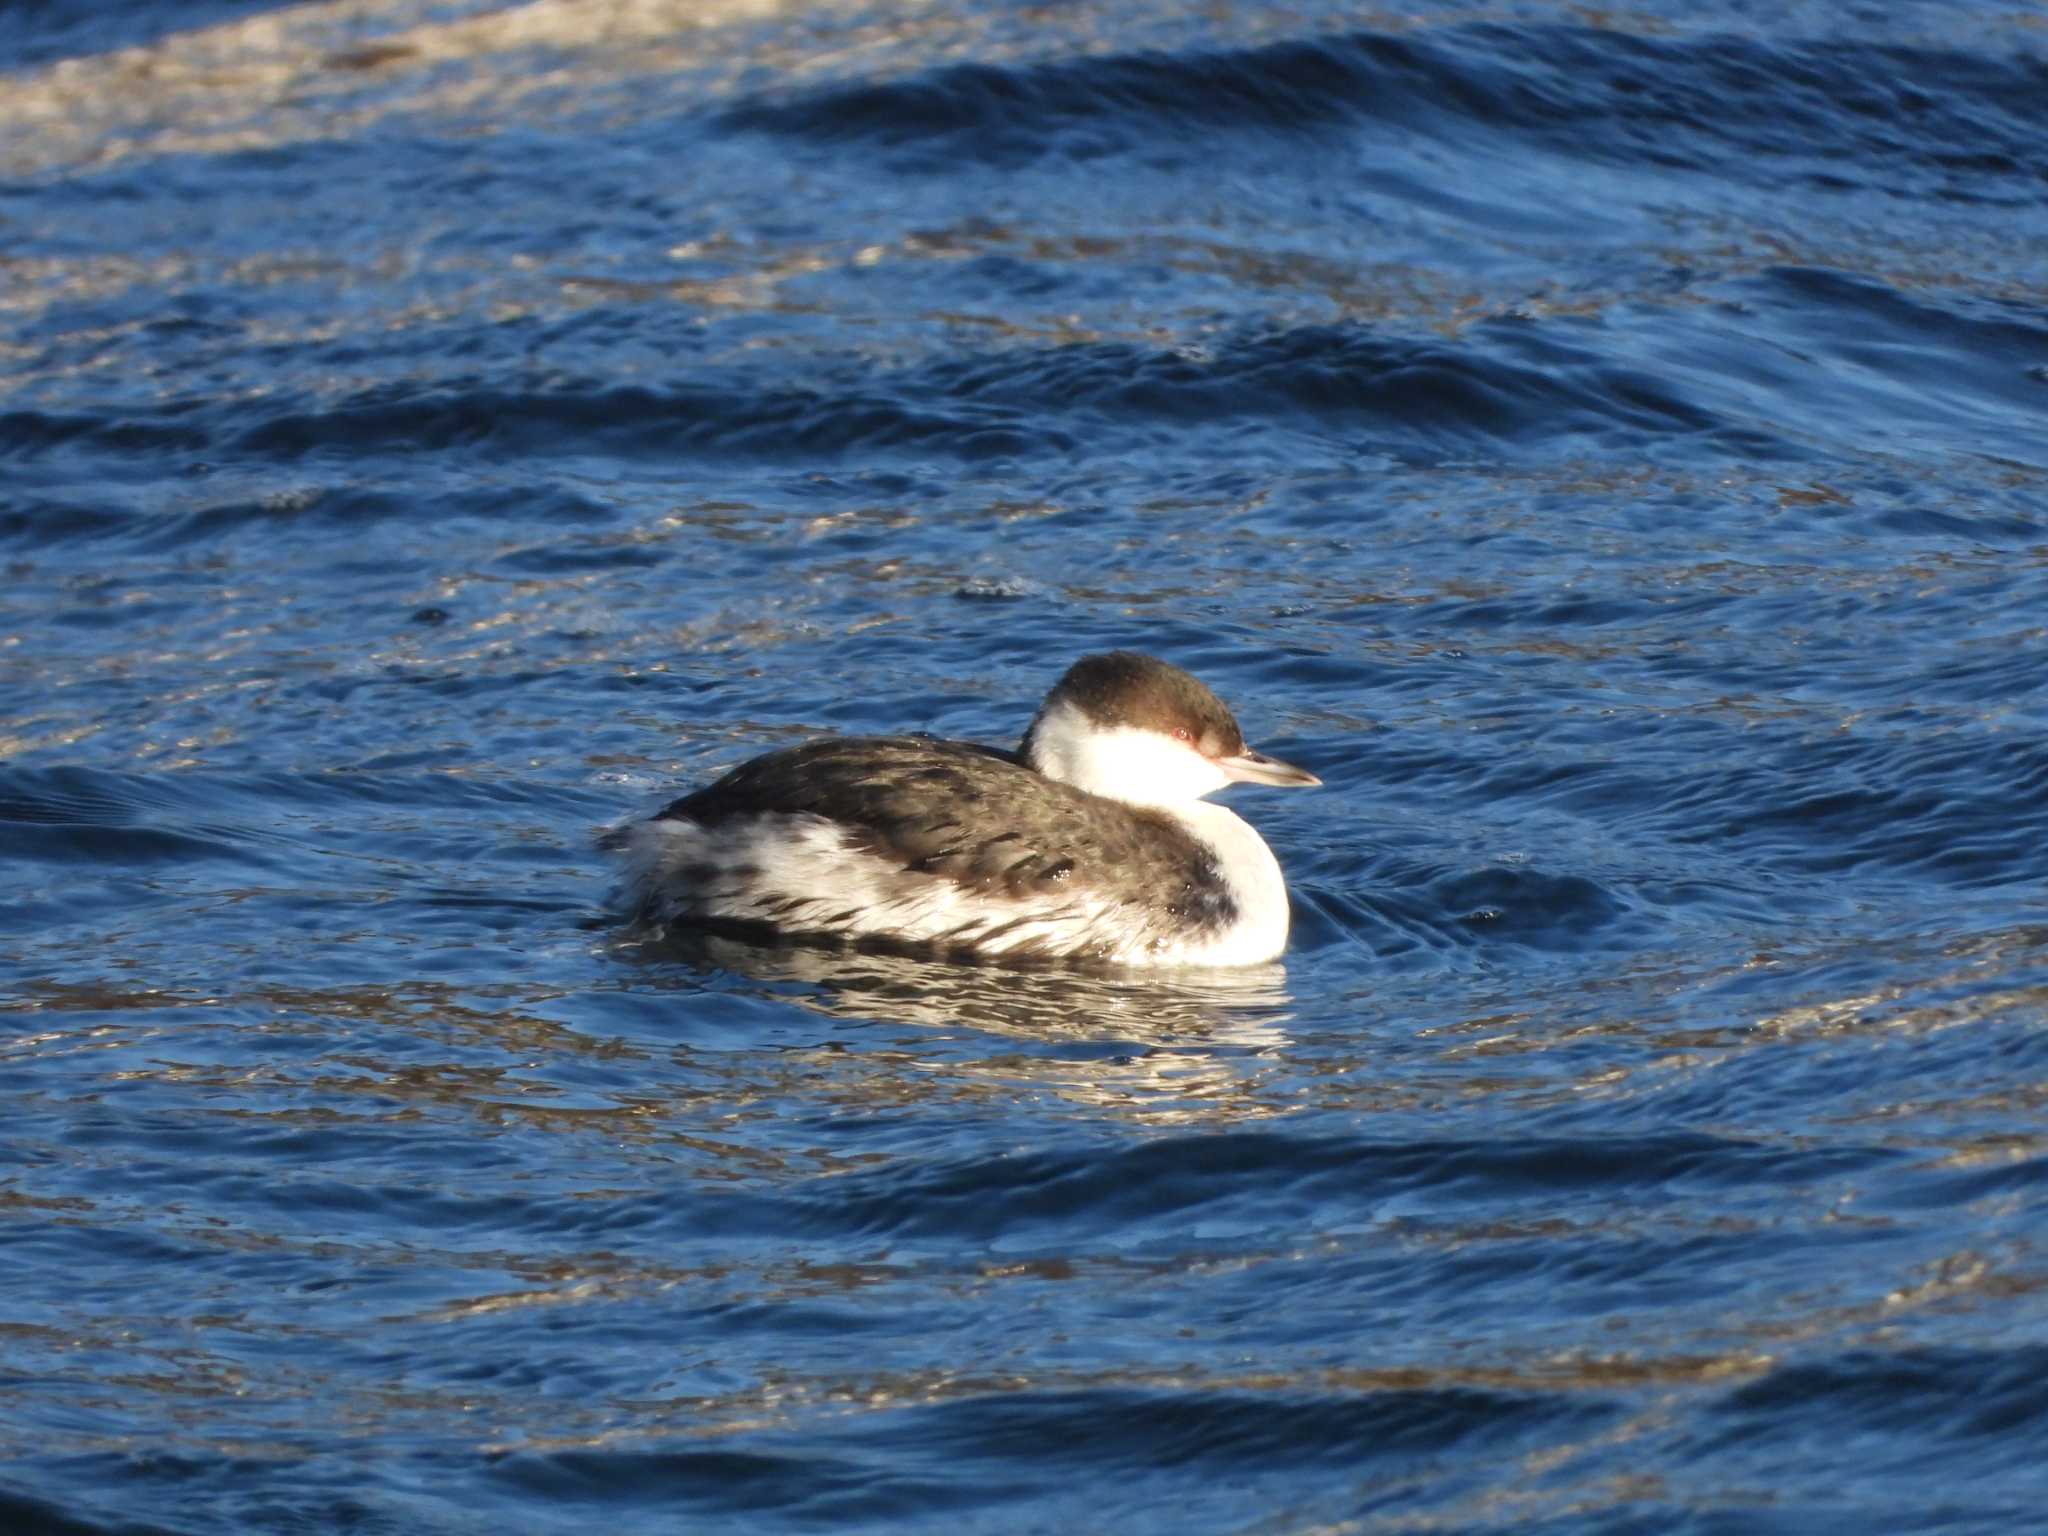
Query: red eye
1182	733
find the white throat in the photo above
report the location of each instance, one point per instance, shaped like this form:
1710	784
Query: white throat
1120	762
1147	769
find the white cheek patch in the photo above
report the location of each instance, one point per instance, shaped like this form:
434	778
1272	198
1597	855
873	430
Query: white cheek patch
1124	763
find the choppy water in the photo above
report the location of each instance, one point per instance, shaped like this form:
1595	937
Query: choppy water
1608	446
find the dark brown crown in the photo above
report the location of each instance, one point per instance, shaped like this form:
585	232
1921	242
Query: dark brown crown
1125	688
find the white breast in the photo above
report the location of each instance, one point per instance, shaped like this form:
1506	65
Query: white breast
1256	885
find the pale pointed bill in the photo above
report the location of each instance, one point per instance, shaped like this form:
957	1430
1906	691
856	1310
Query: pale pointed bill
1250	767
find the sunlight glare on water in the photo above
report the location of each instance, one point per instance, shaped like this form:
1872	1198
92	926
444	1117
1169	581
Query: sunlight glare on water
1606	447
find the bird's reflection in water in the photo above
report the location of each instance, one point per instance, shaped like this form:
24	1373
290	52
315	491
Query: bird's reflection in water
1185	1045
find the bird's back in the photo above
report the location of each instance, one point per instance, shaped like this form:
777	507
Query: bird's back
929	842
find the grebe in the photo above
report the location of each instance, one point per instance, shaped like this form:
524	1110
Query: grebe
1092	840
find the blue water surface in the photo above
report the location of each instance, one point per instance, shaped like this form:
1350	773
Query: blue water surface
1610	447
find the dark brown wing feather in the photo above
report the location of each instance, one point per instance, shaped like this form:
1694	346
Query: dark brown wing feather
974	815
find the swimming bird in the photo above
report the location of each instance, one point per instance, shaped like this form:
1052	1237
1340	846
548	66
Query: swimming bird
1093	840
